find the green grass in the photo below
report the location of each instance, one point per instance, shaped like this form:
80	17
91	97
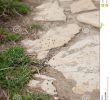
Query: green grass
6	36
15	73
13	7
13	57
16	57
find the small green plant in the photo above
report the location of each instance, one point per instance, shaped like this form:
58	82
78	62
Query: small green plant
12	7
6	36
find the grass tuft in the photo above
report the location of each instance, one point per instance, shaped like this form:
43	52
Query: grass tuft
12	7
14	73
6	36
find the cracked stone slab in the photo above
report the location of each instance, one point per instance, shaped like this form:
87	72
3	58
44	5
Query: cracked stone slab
81	64
55	37
50	11
46	84
82	5
91	18
94	39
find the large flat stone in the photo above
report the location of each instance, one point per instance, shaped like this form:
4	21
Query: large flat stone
50	11
82	5
80	63
89	18
55	37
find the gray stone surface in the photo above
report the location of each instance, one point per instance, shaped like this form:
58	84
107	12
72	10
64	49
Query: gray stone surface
44	82
91	18
55	37
80	63
82	5
50	11
74	66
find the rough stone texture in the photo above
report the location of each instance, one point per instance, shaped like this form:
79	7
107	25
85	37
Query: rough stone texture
82	5
42	54
51	11
89	18
51	39
34	84
81	64
46	84
75	66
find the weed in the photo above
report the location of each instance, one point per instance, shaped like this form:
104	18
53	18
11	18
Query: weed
6	36
16	57
12	7
14	73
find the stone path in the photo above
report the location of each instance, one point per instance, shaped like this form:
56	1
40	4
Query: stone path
70	45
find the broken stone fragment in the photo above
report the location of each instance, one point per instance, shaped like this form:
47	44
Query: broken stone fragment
50	11
45	83
91	18
82	5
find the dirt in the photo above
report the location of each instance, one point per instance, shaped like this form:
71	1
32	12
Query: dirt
64	87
